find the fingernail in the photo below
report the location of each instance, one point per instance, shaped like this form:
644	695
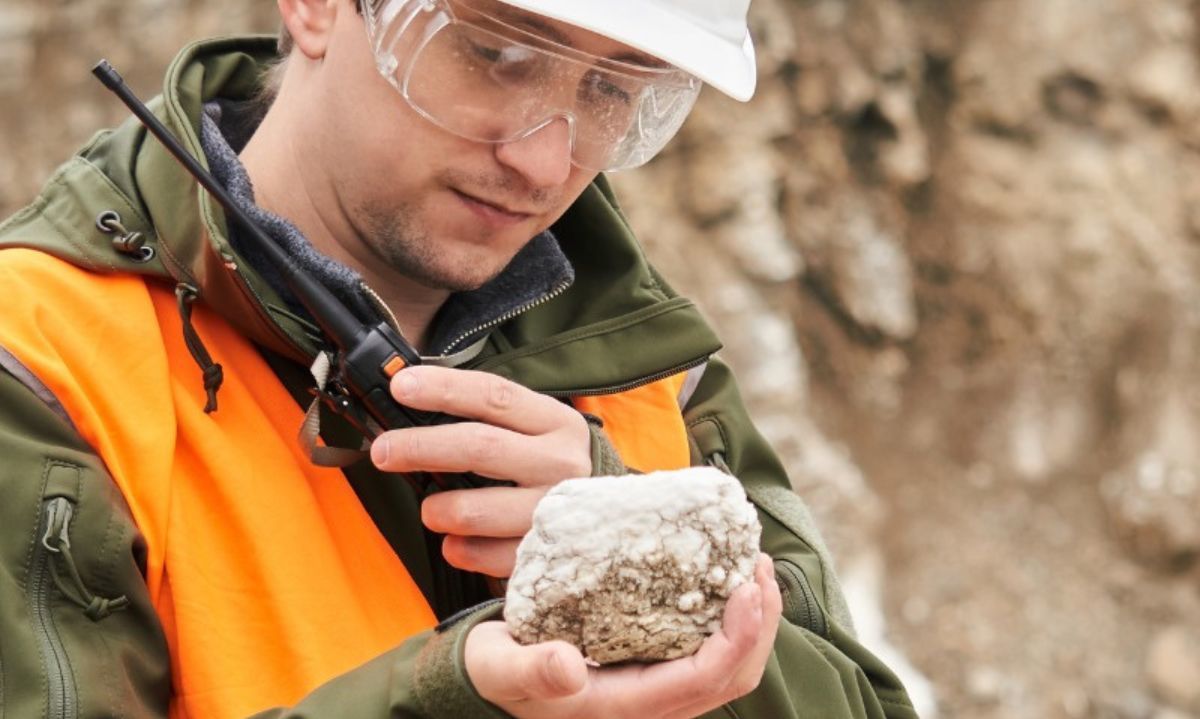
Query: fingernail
379	452
406	384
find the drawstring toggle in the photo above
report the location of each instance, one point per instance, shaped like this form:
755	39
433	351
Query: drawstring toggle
185	295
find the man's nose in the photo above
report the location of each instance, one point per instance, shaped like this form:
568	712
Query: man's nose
543	158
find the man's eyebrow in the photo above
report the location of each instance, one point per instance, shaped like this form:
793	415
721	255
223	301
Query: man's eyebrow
540	26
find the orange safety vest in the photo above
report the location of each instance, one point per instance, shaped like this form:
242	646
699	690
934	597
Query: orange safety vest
267	573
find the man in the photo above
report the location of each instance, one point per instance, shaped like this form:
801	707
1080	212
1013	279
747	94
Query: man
170	547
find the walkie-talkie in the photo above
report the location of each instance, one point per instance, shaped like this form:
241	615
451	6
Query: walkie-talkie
367	356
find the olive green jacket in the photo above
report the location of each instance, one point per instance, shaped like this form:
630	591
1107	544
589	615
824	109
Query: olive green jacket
91	645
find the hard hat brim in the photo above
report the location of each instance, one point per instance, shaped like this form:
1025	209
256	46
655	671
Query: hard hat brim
671	36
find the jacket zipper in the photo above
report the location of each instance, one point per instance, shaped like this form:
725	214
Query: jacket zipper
632	384
555	292
381	307
801	598
63	699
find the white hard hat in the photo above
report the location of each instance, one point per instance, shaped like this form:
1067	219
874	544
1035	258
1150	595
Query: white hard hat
708	38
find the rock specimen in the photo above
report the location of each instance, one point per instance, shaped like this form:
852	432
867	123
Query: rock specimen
633	568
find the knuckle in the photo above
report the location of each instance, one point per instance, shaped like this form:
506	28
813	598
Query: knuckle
445	392
582	462
543	675
572	466
532	678
500	393
549	676
464	512
483	448
576	460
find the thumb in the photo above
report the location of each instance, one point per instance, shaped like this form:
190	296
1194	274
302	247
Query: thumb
552	670
504	671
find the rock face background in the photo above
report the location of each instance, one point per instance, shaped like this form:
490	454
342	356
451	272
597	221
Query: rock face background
952	246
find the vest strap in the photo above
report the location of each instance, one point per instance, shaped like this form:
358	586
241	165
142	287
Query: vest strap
310	428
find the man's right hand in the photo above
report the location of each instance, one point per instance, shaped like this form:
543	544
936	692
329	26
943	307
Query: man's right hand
551	679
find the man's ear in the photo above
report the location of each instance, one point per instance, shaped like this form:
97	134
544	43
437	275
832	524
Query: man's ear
310	23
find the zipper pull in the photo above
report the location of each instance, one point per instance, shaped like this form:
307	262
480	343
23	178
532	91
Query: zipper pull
58	519
59	511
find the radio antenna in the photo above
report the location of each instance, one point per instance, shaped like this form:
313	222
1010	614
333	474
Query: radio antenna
333	317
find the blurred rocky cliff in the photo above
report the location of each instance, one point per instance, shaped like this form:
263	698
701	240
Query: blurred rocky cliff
952	247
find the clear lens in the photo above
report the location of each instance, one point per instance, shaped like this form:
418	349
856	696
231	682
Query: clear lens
484	80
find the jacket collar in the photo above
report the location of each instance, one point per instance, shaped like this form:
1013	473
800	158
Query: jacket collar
536	274
617	325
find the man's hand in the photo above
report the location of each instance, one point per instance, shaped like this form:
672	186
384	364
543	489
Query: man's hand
512	433
552	680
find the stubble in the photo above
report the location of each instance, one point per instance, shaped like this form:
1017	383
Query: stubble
409	249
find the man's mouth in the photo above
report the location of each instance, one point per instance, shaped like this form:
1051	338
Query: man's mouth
493	211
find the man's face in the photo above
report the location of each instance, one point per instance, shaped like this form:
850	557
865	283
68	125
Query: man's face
447	212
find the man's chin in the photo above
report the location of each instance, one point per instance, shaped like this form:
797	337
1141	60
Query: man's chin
452	264
451	279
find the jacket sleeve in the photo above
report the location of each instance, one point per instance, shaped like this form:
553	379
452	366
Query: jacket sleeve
78	634
818	669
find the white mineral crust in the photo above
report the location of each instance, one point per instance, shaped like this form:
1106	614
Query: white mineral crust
633	568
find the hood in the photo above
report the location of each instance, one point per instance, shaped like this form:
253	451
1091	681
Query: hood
617	326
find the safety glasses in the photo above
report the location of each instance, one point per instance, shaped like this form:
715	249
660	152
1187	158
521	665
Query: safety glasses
485	79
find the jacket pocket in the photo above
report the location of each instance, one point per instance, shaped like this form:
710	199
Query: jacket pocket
801	605
62	694
54	574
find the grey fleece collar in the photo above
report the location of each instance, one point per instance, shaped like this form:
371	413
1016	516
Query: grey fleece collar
537	273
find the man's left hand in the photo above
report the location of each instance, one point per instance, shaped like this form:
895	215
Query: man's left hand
510	432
